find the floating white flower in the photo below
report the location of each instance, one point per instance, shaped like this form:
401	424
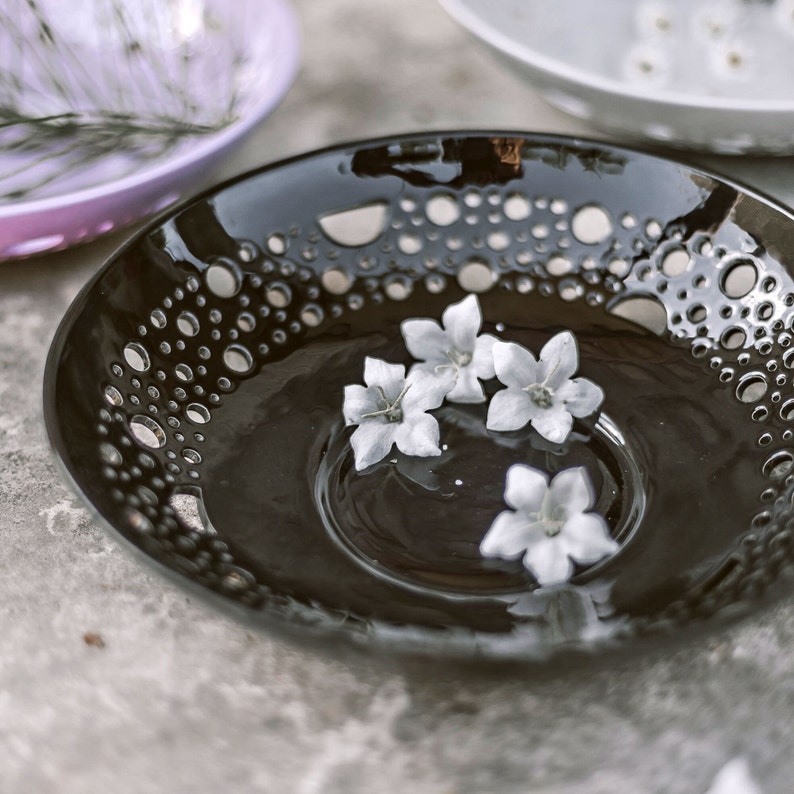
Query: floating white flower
548	524
541	392
453	351
391	409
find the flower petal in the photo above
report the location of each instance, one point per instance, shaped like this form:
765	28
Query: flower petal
417	435
559	359
372	441
426	389
586	538
390	377
462	322
514	365
525	488
572	490
581	396
554	423
509	535
547	561
425	339
467	388
482	359
510	409
358	400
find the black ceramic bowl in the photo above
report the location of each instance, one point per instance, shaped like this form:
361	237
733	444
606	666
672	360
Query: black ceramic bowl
193	392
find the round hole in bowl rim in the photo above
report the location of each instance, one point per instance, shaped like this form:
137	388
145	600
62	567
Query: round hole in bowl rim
691	457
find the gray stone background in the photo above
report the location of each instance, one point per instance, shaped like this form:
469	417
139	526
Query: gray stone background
181	699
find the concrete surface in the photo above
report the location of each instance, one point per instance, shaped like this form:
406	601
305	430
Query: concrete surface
112	680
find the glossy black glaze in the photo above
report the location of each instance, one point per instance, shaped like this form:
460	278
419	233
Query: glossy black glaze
692	457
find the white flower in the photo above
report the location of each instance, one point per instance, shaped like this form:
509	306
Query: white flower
548	524
541	392
390	409
453	352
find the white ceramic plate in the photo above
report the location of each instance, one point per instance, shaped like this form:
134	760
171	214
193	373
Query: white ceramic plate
692	73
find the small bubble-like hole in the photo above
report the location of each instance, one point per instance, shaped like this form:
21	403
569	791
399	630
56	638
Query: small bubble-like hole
435	283
760	413
311	315
559	266
524	285
653	229
238	359
570	289
222	279
398	288
472	199
787	411
765	311
157	318
476	276
188	324
751	387
696	313
591	224
197	413
618	267
558	206
676	262
733	338
517	207
147	432
700	349
138	521
779	465
739	279
191	455
409	244
183	372
246	322
113	396
277	244
110	454
278	294
136	356
442	210
336	281
768	284
498	241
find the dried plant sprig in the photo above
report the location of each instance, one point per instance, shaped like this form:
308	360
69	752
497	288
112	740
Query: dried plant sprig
61	111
